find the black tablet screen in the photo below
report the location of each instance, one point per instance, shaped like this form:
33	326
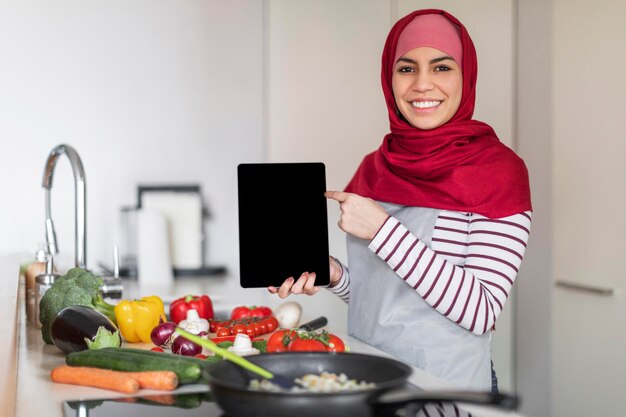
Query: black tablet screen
283	223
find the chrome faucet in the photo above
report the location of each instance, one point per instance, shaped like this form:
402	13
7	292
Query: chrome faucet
80	209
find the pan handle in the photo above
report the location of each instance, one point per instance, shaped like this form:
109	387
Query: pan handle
315	324
400	398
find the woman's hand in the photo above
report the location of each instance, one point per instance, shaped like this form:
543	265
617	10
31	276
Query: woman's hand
360	216
306	283
303	285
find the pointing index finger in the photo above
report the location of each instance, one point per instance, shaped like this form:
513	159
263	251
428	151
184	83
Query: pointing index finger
339	196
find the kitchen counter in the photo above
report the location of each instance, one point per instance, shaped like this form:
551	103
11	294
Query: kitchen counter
9	289
26	362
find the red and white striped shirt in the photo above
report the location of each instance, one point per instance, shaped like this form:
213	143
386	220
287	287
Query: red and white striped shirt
468	271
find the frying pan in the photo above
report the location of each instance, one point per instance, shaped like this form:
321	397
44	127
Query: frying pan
229	385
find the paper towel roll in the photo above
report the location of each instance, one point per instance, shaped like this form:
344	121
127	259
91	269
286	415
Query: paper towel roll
154	265
183	211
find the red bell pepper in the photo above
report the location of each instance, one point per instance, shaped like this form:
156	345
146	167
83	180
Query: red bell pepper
202	304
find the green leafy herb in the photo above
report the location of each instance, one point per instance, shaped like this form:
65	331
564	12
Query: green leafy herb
261	345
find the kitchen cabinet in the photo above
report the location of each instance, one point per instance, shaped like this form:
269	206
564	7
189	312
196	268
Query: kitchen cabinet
588	168
26	363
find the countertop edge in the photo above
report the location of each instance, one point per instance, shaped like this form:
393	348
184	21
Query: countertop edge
9	291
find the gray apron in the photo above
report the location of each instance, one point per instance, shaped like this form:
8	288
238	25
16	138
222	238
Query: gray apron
390	315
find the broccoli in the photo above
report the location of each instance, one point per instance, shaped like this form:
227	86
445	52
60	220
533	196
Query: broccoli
78	287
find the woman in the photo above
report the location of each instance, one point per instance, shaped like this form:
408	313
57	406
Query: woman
437	219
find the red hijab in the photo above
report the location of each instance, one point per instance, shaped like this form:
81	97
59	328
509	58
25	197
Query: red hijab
460	166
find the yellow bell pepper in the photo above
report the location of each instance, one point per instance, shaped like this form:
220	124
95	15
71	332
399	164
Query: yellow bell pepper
137	318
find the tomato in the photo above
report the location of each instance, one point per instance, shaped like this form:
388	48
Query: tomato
276	341
262	327
200	356
261	311
306	345
212	325
223	331
250	331
335	344
271	323
243	312
219	325
238	328
156	349
240	313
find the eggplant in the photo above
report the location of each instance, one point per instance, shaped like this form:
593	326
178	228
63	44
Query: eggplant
74	326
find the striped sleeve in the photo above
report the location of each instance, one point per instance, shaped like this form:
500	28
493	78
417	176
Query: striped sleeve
470	280
342	289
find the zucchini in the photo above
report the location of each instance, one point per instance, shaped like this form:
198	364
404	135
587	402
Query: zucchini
188	369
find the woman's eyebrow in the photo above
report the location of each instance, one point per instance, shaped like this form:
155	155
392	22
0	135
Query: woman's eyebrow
432	61
443	58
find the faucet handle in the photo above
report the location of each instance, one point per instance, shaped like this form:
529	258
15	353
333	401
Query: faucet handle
112	286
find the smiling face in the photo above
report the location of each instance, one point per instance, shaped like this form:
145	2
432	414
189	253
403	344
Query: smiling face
427	86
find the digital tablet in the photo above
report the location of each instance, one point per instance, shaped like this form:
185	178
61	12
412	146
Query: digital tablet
283	223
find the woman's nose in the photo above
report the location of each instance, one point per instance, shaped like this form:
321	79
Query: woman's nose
422	82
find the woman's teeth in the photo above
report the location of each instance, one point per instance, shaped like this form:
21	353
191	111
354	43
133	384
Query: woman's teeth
425	104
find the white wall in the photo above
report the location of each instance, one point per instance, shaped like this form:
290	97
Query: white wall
147	92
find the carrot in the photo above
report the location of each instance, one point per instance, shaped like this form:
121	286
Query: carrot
161	380
95	377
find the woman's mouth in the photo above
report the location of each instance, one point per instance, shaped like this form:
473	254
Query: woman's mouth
426	105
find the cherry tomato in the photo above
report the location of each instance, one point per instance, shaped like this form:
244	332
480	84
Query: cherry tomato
250	331
335	344
257	329
223	331
306	345
262	327
156	349
219	325
201	356
271	323
238	328
212	325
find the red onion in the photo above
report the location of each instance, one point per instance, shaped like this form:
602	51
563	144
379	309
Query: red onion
182	346
163	334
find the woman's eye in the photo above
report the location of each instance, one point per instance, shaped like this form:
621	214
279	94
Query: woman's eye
405	69
442	68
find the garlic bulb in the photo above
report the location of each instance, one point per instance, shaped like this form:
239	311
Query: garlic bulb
242	346
194	323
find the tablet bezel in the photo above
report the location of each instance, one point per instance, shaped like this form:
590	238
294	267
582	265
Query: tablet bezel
268	247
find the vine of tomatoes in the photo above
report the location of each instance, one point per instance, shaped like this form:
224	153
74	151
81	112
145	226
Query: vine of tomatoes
292	340
252	326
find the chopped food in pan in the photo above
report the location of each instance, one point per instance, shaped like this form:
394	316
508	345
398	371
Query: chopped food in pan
326	382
